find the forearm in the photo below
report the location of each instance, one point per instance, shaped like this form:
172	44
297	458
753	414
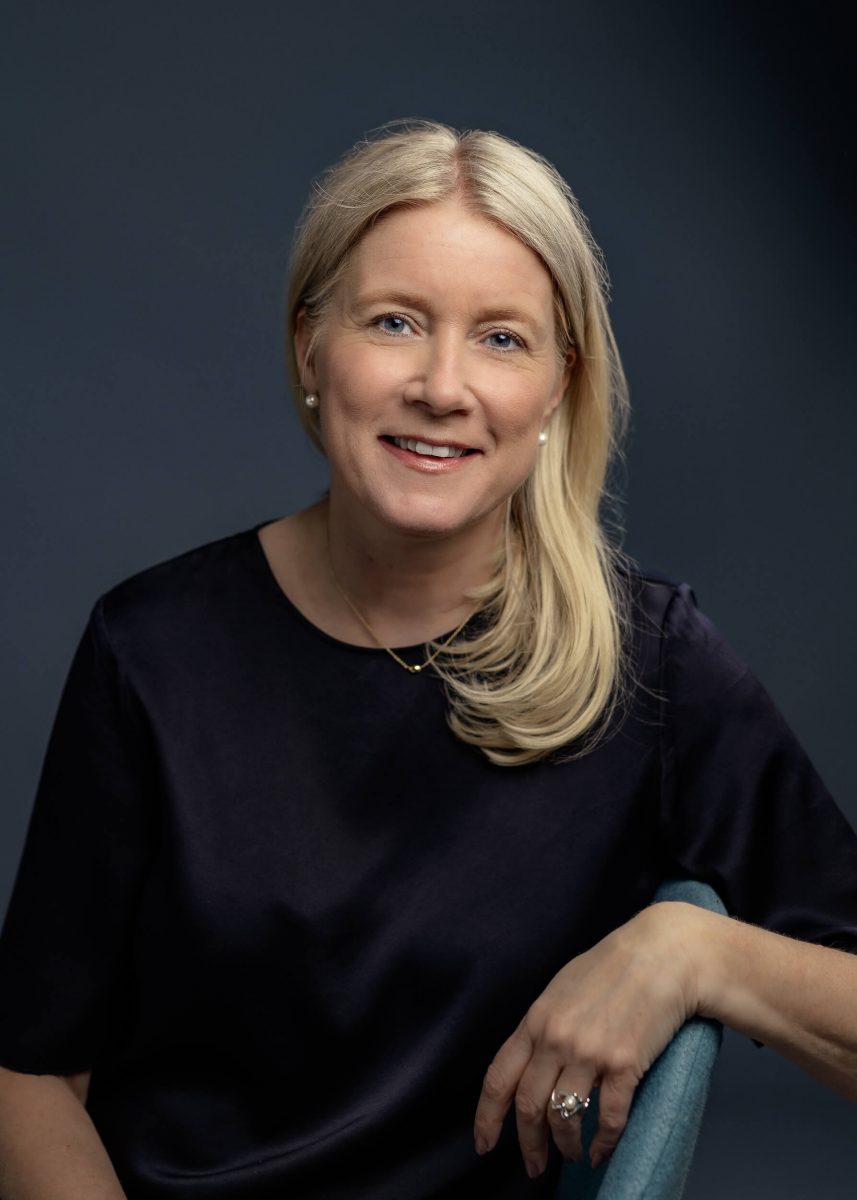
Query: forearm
49	1148
800	999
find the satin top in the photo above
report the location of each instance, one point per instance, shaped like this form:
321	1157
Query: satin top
287	920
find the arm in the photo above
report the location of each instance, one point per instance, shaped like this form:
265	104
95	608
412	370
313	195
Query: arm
740	803
49	1149
797	998
66	930
608	1014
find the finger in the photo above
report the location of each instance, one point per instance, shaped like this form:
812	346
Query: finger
572	1092
614	1104
498	1088
532	1101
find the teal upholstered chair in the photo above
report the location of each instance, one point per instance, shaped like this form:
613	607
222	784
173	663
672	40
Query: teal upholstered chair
653	1156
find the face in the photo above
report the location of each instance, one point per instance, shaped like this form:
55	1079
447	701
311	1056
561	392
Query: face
436	369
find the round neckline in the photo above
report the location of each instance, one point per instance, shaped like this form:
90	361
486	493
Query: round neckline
273	583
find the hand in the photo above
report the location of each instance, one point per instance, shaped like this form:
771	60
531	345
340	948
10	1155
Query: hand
601	1022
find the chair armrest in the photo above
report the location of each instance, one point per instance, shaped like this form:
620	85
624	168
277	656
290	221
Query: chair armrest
652	1159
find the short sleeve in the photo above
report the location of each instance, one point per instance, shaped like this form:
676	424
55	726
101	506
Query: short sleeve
743	807
65	951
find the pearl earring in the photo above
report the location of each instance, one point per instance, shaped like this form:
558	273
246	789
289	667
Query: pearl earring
311	401
543	437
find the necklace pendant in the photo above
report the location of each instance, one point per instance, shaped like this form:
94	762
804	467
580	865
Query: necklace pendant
416	670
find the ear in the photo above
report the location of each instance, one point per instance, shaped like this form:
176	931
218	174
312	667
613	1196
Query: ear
563	380
303	356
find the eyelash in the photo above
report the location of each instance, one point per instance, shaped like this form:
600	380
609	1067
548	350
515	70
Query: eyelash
520	344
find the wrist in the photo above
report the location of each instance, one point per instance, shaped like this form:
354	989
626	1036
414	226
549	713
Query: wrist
686	931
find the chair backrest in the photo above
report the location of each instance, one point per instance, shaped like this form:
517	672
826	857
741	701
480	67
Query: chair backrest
653	1156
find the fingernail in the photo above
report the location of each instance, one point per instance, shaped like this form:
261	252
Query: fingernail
481	1145
533	1170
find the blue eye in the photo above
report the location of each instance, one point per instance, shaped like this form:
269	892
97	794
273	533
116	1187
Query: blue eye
390	323
503	340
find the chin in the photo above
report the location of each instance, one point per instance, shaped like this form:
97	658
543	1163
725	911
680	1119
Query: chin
425	527
432	520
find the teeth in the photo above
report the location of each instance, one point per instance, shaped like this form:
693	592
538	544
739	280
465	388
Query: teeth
425	448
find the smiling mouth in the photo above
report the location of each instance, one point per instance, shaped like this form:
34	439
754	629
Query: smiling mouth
444	450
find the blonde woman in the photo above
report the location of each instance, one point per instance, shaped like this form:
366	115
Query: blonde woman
348	822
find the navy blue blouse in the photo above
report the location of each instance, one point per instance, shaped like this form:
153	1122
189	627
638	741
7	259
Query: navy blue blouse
287	920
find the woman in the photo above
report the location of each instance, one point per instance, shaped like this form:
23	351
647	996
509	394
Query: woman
351	815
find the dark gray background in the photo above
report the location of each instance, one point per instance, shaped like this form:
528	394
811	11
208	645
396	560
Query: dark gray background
159	155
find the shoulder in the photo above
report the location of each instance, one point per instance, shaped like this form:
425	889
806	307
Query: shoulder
648	604
173	600
672	637
649	595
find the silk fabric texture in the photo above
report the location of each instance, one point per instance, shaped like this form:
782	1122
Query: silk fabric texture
286	919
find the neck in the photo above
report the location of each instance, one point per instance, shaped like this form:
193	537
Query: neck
409	587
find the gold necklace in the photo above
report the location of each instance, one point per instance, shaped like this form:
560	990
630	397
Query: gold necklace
412	668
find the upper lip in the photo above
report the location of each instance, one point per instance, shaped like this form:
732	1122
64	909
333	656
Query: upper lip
431	441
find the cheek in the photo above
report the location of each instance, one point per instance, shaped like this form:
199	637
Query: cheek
518	411
353	380
355	389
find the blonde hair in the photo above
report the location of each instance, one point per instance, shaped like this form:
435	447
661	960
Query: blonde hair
544	672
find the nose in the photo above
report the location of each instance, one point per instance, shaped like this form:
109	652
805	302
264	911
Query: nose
440	383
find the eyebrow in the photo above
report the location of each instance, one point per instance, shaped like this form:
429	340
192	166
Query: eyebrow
391	296
414	300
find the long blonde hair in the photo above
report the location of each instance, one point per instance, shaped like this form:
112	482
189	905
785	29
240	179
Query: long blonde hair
544	672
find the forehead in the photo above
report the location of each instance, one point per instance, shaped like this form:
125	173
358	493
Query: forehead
449	249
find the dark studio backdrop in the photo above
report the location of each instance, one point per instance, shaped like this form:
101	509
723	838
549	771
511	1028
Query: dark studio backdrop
158	156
